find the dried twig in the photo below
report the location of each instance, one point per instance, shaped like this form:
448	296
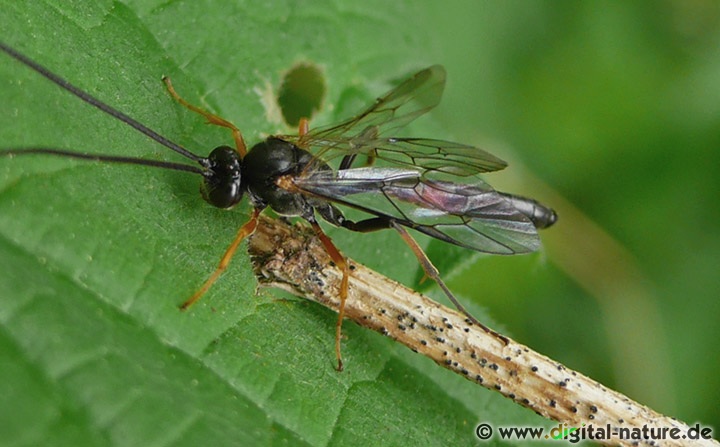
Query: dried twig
291	258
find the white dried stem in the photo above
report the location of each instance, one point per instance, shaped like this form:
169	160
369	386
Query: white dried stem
291	258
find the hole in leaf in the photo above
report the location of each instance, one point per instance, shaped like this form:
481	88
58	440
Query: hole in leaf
301	92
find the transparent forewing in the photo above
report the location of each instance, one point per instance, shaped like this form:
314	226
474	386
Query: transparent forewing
472	216
370	132
401	105
432	155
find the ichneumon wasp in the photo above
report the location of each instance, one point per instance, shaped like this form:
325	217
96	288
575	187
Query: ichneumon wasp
428	185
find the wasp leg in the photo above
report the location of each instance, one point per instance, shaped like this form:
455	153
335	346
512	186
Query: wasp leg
381	223
432	272
367	225
303	127
342	264
211	118
348	160
246	230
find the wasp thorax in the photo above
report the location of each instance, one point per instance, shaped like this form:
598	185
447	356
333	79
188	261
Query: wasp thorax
221	184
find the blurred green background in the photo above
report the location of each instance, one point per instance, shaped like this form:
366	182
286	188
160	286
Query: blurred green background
607	111
614	107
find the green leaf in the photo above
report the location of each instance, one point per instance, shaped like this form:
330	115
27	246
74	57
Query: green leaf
94	259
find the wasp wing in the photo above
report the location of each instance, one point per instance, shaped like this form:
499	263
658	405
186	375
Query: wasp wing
392	111
474	216
367	133
430	155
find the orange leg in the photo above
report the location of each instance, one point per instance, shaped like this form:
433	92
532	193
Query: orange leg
242	233
303	127
211	119
432	272
342	264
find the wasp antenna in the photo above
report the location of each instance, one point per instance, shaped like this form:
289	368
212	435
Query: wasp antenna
103	158
88	98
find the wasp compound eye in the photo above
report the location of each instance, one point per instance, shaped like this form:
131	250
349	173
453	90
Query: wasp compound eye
221	184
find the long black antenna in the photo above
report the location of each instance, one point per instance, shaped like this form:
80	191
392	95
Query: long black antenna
104	158
88	98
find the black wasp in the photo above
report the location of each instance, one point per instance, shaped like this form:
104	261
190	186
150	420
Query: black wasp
431	186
